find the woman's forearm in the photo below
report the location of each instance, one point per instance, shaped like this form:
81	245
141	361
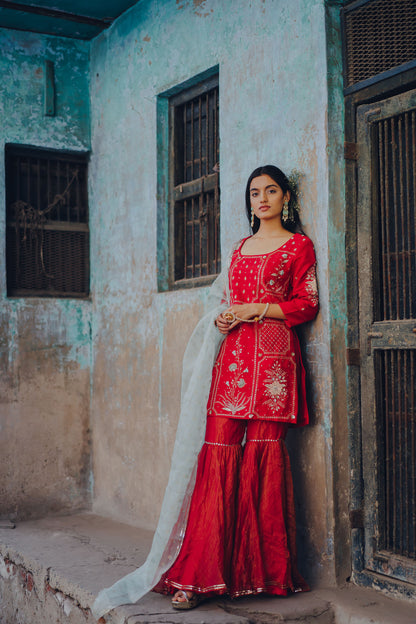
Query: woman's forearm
248	311
274	311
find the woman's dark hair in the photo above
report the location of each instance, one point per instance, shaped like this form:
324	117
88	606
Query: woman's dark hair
293	223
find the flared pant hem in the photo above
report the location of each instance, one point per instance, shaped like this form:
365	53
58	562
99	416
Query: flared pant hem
240	534
170	587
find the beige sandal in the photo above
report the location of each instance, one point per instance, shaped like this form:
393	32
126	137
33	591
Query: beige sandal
188	603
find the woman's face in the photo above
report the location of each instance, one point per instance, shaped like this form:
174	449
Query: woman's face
267	198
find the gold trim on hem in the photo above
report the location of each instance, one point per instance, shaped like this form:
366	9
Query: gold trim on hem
220	444
266	440
198	590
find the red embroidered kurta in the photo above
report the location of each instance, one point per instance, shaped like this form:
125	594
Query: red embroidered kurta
258	372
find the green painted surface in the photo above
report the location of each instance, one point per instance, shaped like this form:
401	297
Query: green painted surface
22	65
77	28
93	8
45	354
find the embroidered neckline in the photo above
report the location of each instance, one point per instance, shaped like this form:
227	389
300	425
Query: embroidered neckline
267	253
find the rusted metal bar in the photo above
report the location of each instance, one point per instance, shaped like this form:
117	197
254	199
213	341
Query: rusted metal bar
48	181
192	141
353	356
394	219
78	198
200	135
389	401
382	195
412	232
386	264
58	185
193	231
350	151
401	279
185	237
67	199
406	235
215	107
28	180
406	467
38	200
207	160
412	381
183	177
18	181
400	478
400	502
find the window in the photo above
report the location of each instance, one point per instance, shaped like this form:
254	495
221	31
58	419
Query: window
47	239
194	206
379	37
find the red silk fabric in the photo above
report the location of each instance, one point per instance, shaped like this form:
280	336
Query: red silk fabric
258	372
240	535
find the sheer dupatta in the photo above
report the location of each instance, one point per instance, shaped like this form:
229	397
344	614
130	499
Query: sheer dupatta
198	361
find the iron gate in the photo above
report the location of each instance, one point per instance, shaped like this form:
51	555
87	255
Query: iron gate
386	239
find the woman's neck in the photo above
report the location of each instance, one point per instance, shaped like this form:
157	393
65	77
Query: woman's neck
272	231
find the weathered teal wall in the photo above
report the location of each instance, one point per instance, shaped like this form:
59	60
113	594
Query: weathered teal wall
272	59
45	351
337	296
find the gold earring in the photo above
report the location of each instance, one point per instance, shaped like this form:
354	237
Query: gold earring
285	214
252	217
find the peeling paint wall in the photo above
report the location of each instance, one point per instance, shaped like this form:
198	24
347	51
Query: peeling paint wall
45	350
272	60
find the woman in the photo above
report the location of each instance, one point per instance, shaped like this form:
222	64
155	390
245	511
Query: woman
239	510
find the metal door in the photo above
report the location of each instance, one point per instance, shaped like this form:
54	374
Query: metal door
386	243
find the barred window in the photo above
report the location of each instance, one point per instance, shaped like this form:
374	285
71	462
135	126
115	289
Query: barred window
379	35
47	234
194	185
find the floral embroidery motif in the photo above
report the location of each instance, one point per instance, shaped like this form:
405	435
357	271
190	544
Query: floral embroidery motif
276	387
277	281
311	286
233	400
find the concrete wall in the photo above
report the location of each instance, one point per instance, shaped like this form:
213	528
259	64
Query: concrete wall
272	59
44	343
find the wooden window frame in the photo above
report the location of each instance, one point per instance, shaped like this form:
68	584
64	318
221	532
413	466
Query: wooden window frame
61	223
191	190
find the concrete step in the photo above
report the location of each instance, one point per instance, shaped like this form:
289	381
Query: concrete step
51	570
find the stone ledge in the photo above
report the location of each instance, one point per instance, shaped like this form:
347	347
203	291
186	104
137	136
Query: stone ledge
51	570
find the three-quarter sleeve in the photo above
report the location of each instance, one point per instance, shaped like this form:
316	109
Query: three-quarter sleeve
302	303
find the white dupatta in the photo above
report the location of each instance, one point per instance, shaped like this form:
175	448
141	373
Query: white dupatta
198	361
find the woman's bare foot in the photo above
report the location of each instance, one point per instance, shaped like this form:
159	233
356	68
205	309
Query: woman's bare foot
182	596
187	599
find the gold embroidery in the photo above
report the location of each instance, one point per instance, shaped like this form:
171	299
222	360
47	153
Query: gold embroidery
276	387
311	286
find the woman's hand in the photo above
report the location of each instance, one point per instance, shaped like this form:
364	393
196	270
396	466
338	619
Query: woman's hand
244	312
222	325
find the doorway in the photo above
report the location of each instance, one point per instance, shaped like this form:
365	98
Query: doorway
386	271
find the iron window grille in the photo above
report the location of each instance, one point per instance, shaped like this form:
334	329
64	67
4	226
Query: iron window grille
47	233
394	144
379	36
194	185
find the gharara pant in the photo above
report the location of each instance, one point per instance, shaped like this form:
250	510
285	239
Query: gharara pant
240	535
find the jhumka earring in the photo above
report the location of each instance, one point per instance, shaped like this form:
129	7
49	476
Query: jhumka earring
285	214
252	217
